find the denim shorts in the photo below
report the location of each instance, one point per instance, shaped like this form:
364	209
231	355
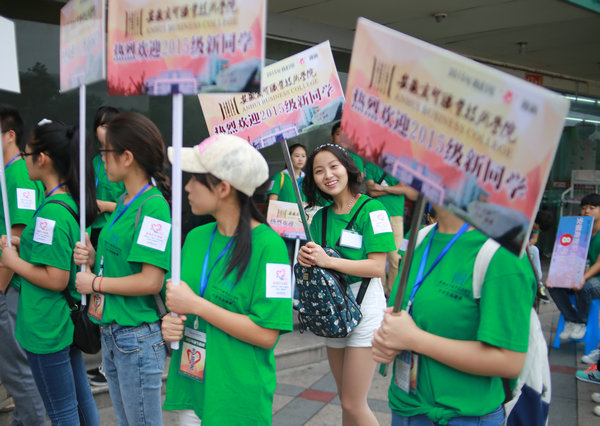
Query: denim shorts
495	418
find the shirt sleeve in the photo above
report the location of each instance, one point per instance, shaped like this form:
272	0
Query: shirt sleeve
506	300
375	227
268	310
152	237
275	186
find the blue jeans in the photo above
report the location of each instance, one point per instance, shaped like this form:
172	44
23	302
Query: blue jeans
133	360
495	418
583	300
63	385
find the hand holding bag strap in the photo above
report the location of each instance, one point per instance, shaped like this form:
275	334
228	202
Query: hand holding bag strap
365	281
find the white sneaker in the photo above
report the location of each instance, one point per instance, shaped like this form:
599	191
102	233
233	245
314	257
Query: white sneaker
591	358
566	333
578	331
596	397
597	410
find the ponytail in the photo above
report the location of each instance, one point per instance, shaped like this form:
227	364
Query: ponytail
61	144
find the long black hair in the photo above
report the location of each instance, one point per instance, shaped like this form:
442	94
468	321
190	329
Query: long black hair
136	133
11	120
60	143
242	249
103	115
309	186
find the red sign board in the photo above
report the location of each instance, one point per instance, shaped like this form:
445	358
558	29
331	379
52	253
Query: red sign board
535	79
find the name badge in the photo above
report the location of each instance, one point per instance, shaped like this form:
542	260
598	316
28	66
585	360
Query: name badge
154	233
405	371
351	239
193	354
96	308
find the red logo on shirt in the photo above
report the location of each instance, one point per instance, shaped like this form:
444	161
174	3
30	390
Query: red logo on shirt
156	227
566	239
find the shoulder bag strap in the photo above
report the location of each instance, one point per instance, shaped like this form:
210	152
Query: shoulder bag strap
160	305
324	227
66	206
382	178
365	281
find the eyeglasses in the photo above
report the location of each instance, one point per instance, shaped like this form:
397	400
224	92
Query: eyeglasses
27	154
103	151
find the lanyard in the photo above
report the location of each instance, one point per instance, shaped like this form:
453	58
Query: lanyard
12	160
98	172
205	277
126	206
47	196
421	274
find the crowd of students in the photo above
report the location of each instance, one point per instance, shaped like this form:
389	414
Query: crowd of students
234	299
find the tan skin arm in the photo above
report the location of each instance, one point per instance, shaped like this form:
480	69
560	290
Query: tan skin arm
148	281
399	332
183	300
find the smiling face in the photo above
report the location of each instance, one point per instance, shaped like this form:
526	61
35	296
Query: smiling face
329	174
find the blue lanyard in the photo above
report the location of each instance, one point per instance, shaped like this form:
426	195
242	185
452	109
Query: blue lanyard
12	160
126	206
421	274
48	196
205	277
98	172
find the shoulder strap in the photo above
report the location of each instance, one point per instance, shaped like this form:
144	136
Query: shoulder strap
482	261
139	210
351	223
382	178
324	227
423	233
66	206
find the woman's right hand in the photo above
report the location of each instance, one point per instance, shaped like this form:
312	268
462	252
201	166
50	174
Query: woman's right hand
313	254
172	327
84	254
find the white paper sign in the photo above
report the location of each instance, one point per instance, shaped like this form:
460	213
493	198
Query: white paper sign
44	230
380	221
26	199
279	280
154	233
9	71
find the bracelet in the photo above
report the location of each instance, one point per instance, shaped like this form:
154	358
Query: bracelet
93	283
100	285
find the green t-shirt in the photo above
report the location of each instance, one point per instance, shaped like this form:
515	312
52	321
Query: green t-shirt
239	378
282	186
24	197
594	250
372	223
43	317
124	247
394	204
105	190
358	160
444	306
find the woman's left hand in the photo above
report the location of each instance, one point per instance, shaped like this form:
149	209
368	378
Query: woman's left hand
313	254
398	331
180	298
9	254
83	282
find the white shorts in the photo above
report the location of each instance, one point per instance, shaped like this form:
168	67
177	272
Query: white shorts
372	308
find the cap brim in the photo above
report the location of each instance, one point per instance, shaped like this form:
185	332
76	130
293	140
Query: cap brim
189	161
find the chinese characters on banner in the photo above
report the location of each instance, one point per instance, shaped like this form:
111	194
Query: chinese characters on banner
284	218
298	94
9	71
570	251
471	138
82	59
160	47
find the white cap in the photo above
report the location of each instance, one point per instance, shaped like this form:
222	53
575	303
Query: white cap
228	157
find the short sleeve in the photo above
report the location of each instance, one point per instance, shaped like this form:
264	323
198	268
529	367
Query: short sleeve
507	297
152	238
275	185
376	228
270	308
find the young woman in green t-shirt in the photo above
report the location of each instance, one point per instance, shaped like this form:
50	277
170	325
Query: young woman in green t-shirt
281	187
46	269
129	267
332	174
235	293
